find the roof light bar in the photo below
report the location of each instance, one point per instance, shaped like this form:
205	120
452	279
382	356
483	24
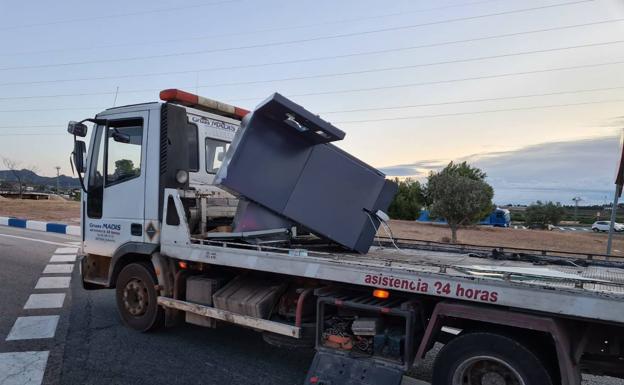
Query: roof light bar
191	100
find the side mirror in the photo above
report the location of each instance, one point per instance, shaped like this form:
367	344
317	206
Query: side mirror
121	138
76	128
79	152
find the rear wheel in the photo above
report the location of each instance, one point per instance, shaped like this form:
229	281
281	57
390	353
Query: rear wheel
488	359
137	297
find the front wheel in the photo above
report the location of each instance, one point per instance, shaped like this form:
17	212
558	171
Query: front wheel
137	297
488	358
595	230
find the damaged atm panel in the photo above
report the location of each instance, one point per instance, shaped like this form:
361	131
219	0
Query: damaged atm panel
283	160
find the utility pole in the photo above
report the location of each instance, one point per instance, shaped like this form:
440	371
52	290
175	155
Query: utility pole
58	171
619	184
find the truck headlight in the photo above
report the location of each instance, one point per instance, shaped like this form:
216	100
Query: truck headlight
182	176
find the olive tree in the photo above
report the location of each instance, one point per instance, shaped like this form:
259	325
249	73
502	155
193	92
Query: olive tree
408	201
460	195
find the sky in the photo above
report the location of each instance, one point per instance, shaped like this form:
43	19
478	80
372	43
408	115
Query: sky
498	82
554	171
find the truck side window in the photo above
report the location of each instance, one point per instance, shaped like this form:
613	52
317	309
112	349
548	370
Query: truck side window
95	184
215	152
123	150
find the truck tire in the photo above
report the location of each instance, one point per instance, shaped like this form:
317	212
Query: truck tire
488	358
137	297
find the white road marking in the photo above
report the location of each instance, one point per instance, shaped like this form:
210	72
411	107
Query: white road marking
524	227
584	229
33	240
561	228
59	268
22	368
572	228
45	301
53	283
75	243
63	258
515	227
66	250
32	327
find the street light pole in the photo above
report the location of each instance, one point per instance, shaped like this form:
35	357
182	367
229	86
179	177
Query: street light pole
58	170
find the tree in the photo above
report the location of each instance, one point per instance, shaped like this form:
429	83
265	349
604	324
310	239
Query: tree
459	195
19	175
408	201
124	168
544	214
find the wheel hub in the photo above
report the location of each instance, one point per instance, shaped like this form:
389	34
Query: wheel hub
135	297
486	371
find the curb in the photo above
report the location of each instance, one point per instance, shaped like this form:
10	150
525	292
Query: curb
49	227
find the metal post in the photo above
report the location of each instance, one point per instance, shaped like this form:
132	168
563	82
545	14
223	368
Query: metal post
58	170
618	190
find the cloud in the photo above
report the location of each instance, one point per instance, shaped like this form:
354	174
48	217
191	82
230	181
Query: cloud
556	171
418	169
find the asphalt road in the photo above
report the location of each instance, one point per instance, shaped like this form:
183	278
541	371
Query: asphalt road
91	346
23	257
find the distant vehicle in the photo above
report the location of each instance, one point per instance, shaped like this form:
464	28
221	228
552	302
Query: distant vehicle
604	226
498	218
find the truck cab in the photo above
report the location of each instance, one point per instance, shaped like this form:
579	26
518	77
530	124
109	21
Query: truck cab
126	171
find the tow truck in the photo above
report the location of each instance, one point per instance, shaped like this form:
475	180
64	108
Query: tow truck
197	211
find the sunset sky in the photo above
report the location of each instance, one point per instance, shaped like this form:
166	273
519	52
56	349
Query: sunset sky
532	91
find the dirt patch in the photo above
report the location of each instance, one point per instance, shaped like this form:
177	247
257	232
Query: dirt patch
56	198
578	242
60	211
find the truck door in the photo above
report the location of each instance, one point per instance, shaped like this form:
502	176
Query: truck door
116	184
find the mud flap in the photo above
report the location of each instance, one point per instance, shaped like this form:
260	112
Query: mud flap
336	369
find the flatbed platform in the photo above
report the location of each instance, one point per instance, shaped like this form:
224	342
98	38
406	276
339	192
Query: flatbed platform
594	293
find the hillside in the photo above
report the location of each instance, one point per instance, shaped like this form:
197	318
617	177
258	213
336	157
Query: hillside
31	178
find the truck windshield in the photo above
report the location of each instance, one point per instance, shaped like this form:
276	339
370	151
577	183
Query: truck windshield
215	152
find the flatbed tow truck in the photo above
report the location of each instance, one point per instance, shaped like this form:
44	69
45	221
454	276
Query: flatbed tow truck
166	225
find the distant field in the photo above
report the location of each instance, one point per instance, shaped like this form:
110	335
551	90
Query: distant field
46	210
69	212
577	242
